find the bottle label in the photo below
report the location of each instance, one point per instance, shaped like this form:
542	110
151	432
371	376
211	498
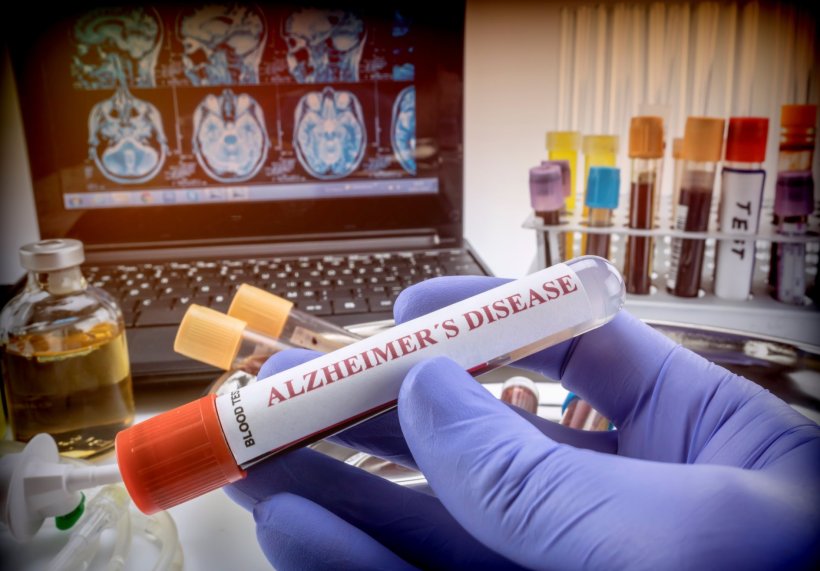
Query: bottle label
334	390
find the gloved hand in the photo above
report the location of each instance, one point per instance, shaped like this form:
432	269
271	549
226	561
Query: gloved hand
705	470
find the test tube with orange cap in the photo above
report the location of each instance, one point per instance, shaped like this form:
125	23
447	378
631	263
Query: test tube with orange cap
702	146
646	152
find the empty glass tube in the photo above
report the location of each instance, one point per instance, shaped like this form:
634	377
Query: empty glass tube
677	157
198	447
793	203
601	199
547	200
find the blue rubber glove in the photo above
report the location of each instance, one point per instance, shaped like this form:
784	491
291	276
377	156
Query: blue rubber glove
705	469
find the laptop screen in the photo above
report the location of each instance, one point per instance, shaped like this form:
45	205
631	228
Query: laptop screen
210	124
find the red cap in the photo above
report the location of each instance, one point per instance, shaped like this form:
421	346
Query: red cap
176	456
746	140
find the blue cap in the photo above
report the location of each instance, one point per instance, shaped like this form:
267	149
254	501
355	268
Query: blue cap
603	186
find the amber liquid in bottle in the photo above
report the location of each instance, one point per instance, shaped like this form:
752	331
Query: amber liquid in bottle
638	264
81	394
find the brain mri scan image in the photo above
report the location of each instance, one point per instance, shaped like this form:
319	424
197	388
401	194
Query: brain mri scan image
222	44
323	45
116	45
230	139
403	129
126	139
329	133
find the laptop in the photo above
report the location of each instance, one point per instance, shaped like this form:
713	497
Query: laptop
316	152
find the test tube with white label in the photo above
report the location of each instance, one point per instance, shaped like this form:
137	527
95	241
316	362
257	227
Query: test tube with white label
198	447
741	197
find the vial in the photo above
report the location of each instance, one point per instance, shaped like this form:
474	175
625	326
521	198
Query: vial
601	199
203	445
547	194
521	392
65	360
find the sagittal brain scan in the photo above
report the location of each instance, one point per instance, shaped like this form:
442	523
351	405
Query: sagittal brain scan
230	139
324	45
403	129
126	139
116	43
222	44
329	133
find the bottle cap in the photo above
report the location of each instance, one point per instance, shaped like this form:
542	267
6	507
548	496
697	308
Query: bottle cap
524	382
546	188
600	145
50	255
794	194
646	138
261	310
798	116
746	139
175	456
209	336
563	140
677	148
703	139
566	175
603	187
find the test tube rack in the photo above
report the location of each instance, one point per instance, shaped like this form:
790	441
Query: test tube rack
759	314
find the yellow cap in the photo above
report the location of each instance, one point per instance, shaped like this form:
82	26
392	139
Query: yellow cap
600	144
646	138
209	336
563	140
798	116
703	139
261	310
677	148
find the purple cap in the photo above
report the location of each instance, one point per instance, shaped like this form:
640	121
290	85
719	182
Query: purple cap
566	175
794	194
546	188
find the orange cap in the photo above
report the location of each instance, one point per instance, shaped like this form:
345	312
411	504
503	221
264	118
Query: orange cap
261	310
798	116
209	336
646	138
746	139
703	139
175	456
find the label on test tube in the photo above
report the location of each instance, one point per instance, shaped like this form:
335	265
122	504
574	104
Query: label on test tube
274	414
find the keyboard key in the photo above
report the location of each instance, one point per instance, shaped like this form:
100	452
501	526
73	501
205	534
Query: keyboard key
341	307
380	304
160	316
316	307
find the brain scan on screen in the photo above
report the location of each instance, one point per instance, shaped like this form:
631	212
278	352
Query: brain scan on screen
222	44
115	43
329	133
403	129
126	139
323	45
230	139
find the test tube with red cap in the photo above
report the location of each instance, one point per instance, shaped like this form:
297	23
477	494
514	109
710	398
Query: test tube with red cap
547	200
742	181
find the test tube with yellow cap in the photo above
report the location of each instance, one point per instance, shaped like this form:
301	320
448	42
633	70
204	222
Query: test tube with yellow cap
279	319
702	146
646	152
223	341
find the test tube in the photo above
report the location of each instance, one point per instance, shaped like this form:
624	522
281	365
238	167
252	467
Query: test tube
579	414
566	175
793	202
547	200
599	151
741	198
520	392
563	146
279	319
223	341
646	152
702	145
677	156
601	199
198	447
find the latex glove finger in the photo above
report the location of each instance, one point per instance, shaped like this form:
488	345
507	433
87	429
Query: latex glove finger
546	505
295	533
410	523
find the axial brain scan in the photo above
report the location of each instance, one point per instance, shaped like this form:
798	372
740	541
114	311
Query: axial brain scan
403	129
126	139
323	46
329	133
230	139
223	44
116	45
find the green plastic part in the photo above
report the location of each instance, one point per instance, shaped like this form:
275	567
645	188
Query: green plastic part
67	521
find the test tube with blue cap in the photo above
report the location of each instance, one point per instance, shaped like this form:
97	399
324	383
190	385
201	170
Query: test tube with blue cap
603	187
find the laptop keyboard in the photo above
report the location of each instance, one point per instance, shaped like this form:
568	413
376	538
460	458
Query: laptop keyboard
154	294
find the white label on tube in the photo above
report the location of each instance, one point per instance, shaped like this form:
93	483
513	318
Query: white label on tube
742	193
291	406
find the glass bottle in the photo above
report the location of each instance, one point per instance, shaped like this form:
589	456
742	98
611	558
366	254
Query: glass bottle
65	360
